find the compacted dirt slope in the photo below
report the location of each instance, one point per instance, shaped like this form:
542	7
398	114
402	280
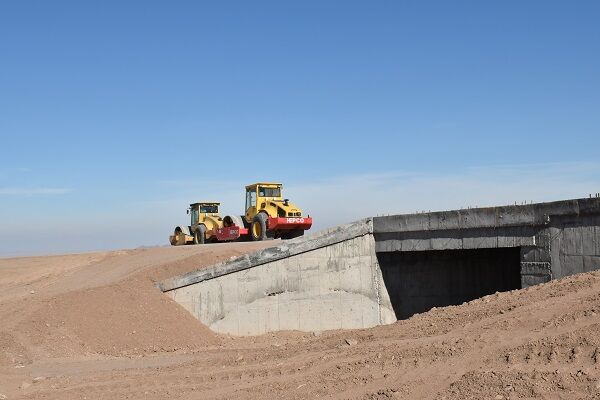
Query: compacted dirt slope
93	326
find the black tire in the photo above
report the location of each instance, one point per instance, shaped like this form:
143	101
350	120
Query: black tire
258	228
200	235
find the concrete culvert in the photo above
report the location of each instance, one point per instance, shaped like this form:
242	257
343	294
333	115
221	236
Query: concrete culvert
377	270
417	281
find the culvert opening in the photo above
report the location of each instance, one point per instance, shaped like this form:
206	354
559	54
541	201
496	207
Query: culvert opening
420	280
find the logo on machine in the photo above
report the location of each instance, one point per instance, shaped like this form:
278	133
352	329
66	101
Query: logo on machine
295	220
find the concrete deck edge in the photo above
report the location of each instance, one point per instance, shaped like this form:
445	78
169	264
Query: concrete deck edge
536	214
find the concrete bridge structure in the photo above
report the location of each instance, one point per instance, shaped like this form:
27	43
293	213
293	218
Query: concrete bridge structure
378	270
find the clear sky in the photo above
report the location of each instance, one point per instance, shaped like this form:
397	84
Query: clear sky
115	115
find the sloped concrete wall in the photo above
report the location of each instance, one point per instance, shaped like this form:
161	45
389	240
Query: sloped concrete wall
333	286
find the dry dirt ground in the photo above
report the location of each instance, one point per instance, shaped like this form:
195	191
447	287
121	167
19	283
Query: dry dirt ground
93	326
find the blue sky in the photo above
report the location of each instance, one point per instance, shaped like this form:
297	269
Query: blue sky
115	115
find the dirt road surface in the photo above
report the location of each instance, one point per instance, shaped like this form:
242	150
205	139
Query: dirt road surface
93	326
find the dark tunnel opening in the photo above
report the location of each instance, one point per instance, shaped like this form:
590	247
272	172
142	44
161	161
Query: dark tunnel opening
420	280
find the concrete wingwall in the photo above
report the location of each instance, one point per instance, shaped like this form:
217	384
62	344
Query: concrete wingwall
333	283
573	244
376	270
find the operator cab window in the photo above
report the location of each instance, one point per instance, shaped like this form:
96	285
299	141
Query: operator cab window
269	192
250	199
194	215
209	209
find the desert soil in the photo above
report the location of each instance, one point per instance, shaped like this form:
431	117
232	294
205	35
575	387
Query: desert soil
93	326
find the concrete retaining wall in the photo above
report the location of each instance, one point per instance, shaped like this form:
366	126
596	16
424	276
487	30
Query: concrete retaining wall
335	283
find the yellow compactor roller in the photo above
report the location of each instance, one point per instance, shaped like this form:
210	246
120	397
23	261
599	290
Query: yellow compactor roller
206	225
267	215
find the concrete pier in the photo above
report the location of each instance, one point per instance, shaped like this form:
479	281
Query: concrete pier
377	270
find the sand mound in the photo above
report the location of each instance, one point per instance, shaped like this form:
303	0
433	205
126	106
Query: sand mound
100	304
128	318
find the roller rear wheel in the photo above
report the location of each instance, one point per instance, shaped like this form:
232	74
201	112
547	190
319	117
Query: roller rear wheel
200	235
258	229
